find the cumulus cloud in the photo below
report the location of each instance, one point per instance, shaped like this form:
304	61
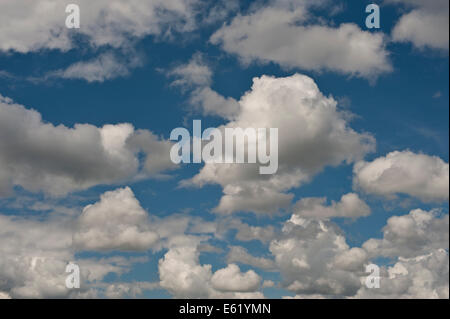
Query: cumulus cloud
411	235
350	206
417	243
35	250
42	157
27	27
313	133
232	279
196	76
421	277
314	258
184	277
418	175
285	32
34	255
426	25
116	222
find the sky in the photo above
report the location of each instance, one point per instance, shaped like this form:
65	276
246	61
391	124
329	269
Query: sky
86	176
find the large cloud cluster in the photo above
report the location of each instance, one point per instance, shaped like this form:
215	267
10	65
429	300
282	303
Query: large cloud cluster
313	133
31	26
42	157
314	258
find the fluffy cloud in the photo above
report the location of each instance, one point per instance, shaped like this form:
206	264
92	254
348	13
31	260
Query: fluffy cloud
350	206
116	222
426	25
418	244
34	255
196	76
314	258
39	156
36	250
231	279
411	235
422	176
26	26
313	133
184	277
422	277
181	274
284	33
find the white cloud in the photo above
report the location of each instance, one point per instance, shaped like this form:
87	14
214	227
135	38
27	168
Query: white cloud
184	277
196	76
418	243
194	73
36	250
116	222
411	235
313	133
31	26
350	206
126	289
40	156
268	284
422	277
418	175
314	258
245	232
181	274
426	25
104	67
34	255
4	295
283	33
239	254
232	279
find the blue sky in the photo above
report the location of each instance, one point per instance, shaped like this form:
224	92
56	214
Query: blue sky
398	95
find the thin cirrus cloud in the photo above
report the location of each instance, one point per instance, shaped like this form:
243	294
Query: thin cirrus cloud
106	66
